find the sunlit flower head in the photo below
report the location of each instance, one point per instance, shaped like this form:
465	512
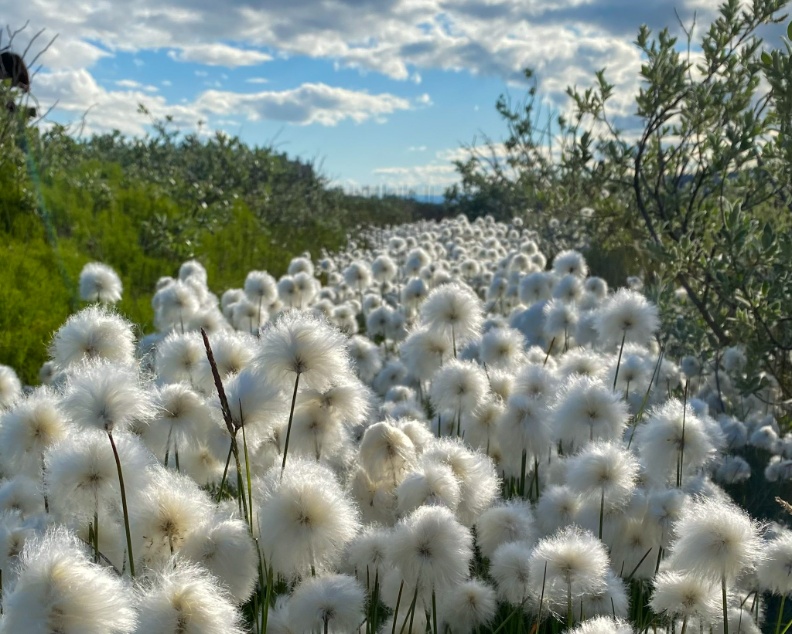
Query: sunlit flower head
100	283
59	590
299	344
93	334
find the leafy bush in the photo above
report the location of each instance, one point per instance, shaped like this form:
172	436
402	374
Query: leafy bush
699	199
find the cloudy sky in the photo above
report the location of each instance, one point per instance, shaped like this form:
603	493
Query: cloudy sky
376	91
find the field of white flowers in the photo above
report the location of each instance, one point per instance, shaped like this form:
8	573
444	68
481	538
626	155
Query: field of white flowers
443	432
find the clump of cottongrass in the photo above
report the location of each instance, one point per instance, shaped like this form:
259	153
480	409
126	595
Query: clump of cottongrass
559	324
358	276
366	555
261	291
166	512
349	401
468	606
627	315
686	595
535	287
672	443
774	571
174	305
581	362
178	357
610	600
536	381
558	507
23	494
432	549
605	470
504	523
100	283
254	403
480	427
317	433
586	410
568	289
716	540
375	498
332	603
502	348
304	348
510	569
433	484
603	625
81	473
181	416
28	429
570	262
524	434
365	357
479	483
233	352
10	387
424	351
567	566
106	397
94	333
59	590
305	520
733	469
458	386
386	452
454	310
186	598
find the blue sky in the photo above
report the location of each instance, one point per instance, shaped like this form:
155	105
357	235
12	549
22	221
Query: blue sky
378	92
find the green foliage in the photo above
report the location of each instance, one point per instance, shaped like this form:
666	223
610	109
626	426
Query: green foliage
696	195
143	206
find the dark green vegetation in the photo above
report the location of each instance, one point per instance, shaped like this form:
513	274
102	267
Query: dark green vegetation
143	206
690	183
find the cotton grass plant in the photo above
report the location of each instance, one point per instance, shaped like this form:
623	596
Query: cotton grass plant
435	433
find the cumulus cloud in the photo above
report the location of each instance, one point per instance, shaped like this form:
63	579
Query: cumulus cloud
309	103
78	93
415	176
397	39
219	55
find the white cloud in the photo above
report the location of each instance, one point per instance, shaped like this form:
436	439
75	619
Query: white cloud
257	80
135	85
218	55
563	40
307	104
77	93
424	100
417	176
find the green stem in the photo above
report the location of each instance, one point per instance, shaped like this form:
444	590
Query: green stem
266	601
434	613
780	614
124	505
396	611
618	361
547	356
225	473
602	511
96	533
725	607
247	474
288	429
